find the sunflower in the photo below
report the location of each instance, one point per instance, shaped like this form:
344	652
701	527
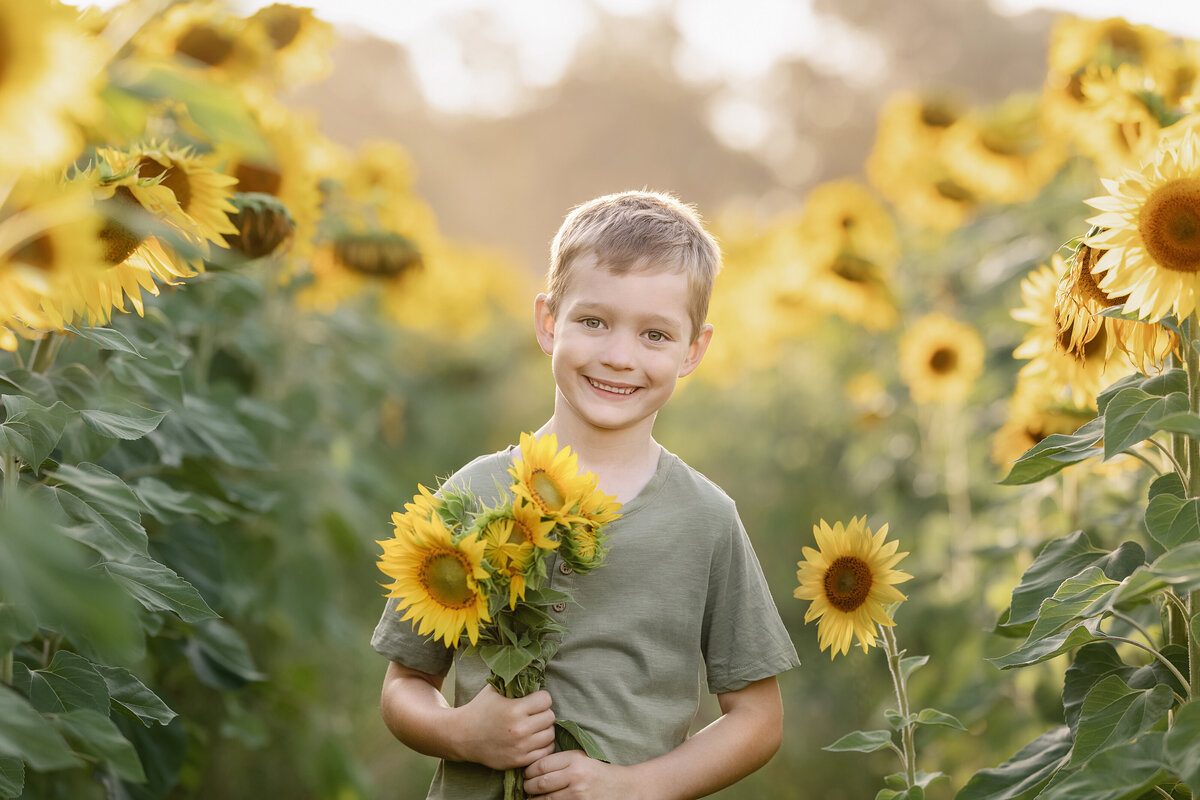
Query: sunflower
436	579
1076	42
584	544
515	536
1004	153
204	35
298	40
549	478
850	285
849	580
1034	412
940	358
1150	225
50	255
1079	300
1089	367
851	214
49	66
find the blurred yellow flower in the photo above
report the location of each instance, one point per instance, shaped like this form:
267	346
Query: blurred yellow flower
435	579
849	579
205	35
49	67
850	214
940	359
1150	230
1034	412
299	43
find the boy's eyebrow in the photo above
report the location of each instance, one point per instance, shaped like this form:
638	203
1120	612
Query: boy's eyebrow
660	320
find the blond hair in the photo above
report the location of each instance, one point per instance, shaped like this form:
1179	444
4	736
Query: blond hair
637	230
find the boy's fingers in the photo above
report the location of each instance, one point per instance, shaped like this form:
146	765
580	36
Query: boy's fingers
538	701
543	721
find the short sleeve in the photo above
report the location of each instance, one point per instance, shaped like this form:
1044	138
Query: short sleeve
397	640
743	637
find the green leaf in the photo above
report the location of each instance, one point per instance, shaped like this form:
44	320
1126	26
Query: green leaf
1172	521
106	339
96	735
861	742
155	374
27	735
220	657
1113	713
1051	646
1062	559
1133	416
931	716
1120	773
1055	452
131	423
12	776
1169	483
910	665
898	721
569	735
1023	775
31	431
169	505
1178	568
1097	661
159	588
1070	602
1182	745
1184	422
131	695
506	660
17	624
70	682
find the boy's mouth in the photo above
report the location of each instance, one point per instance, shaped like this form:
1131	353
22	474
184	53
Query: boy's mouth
611	388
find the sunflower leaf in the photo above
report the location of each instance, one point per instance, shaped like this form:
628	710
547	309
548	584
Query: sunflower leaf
568	735
1113	713
1120	773
1172	520
106	339
1184	422
1133	416
30	430
1178	568
132	422
1182	744
69	682
931	716
133	697
910	665
95	734
1022	776
159	588
12	776
1051	646
1056	452
505	661
1071	602
861	742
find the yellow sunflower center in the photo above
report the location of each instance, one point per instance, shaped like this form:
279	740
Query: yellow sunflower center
943	360
848	583
443	576
1169	225
204	44
173	178
545	491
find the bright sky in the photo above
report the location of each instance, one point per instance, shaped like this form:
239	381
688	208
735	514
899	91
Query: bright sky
532	42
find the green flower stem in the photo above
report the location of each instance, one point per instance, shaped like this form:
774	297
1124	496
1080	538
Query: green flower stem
11	467
1193	376
1170	453
45	351
1187	685
906	734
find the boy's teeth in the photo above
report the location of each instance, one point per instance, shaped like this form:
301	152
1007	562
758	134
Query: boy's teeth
615	389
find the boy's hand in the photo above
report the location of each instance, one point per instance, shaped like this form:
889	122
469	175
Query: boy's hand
571	775
502	732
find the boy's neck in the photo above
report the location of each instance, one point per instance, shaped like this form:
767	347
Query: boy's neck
623	461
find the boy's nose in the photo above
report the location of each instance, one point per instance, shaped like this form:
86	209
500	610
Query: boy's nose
618	353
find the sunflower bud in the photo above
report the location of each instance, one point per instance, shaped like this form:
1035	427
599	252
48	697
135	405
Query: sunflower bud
264	226
380	254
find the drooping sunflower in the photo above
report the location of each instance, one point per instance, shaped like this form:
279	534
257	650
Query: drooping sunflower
49	66
436	579
584	542
1081	373
299	42
1150	228
548	477
1079	300
939	359
849	578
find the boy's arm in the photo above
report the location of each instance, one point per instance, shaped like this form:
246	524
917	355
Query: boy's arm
491	729
742	739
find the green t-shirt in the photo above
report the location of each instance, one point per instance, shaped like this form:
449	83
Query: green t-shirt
680	590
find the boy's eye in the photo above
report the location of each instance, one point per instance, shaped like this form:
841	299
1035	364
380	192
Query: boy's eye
591	322
656	336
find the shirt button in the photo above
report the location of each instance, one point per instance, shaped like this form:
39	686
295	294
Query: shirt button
560	607
565	568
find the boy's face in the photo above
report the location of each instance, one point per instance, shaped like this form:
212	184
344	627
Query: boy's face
618	344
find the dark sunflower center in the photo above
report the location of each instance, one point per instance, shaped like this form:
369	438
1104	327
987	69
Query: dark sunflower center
204	44
944	360
545	491
848	583
123	215
1085	282
953	191
852	268
938	115
381	255
1170	225
37	252
258	178
444	577
173	177
1123	44
282	25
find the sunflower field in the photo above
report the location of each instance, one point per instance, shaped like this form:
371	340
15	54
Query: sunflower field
231	348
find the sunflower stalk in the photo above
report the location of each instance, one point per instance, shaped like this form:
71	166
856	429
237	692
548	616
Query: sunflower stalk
894	654
45	351
1190	329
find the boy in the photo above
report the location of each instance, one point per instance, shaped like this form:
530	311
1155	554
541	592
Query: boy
622	319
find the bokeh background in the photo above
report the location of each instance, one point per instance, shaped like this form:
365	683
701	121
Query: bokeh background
882	176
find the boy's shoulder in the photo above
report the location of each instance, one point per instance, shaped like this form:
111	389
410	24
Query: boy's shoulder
686	487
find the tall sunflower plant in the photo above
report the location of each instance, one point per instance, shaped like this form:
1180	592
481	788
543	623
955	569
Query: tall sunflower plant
474	575
850	582
1126	619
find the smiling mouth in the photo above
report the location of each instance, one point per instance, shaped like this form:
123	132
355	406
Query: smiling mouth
612	389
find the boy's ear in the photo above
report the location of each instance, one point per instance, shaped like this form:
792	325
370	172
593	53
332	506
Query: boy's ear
543	323
696	351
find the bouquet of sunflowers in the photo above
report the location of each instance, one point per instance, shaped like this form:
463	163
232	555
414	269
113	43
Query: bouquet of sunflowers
461	568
